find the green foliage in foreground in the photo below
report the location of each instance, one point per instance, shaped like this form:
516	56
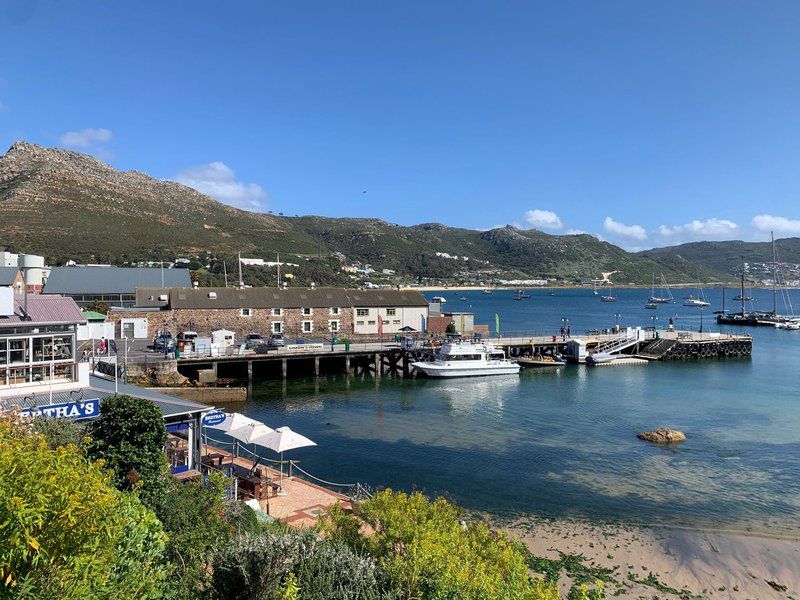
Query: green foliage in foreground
129	435
265	566
425	551
65	531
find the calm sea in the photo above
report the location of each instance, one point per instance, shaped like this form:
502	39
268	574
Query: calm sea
562	443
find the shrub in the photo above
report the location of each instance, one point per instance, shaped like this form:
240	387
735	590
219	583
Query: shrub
193	516
129	435
426	552
65	531
59	432
265	566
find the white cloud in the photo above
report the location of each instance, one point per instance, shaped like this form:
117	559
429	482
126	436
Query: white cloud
218	180
632	232
776	224
85	138
710	229
543	219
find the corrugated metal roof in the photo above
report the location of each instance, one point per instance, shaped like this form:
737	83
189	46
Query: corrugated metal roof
43	310
100	388
291	298
8	275
111	280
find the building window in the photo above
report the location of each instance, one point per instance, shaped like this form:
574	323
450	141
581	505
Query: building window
308	326
390	312
361	323
333	326
362	312
370	322
385	322
307	312
335	310
246	312
277	327
276	312
396	322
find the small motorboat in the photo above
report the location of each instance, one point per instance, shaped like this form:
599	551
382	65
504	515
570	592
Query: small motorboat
540	360
600	358
463	298
608	298
487	291
521	295
651	305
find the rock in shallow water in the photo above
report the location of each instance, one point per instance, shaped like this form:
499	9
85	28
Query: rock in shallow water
662	435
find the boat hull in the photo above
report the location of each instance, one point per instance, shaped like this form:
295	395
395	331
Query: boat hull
434	370
529	362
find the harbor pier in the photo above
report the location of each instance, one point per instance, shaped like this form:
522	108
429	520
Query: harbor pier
381	359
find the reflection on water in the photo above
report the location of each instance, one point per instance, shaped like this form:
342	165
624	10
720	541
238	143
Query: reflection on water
561	442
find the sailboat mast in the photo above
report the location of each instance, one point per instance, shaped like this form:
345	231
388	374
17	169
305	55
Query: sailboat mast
774	276
741	292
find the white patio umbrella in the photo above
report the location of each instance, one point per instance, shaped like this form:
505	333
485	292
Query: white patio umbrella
250	432
281	440
233	421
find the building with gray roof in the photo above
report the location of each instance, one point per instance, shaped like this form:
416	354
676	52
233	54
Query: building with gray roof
115	286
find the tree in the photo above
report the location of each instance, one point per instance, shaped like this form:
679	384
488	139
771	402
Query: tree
451	328
65	531
426	551
129	435
60	432
98	306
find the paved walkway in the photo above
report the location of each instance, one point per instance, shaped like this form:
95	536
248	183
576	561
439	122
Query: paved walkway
303	503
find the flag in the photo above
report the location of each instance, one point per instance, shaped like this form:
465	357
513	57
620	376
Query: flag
497	323
380	324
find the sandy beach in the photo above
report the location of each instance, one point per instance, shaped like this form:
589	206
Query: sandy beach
669	563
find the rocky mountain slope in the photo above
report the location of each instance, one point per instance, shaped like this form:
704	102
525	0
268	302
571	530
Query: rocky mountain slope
68	205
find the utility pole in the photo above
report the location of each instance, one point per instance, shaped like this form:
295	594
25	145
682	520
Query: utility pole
162	273
241	281
278	258
225	272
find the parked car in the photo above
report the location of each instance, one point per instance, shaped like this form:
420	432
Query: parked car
187	336
276	340
253	339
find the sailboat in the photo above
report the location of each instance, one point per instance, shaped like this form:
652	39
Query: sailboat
609	296
740	297
521	294
698	301
661	298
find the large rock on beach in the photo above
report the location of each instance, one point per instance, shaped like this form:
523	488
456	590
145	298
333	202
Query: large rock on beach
662	435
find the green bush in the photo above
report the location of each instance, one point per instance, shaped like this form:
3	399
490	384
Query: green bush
258	567
193	516
65	531
425	551
60	432
129	435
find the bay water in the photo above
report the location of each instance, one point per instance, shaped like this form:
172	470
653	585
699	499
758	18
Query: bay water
562	442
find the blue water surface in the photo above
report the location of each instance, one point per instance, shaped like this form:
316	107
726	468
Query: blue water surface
562	443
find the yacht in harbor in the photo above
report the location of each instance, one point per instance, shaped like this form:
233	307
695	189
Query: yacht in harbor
698	301
466	359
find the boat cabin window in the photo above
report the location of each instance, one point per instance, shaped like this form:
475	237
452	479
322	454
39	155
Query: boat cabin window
453	357
497	356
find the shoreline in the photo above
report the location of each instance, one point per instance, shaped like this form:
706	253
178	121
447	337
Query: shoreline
662	561
672	286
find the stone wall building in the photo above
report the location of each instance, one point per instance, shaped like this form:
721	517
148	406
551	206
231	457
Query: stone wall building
293	312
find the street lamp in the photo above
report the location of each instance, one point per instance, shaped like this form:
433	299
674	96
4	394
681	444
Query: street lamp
701	318
616	321
654	318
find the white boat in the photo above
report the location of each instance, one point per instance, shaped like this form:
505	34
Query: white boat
695	302
698	301
466	359
600	358
662	298
608	297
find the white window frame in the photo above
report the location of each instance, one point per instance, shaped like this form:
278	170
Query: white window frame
277	312
310	326
310	312
362	312
360	323
331	327
242	312
280	327
336	311
391	312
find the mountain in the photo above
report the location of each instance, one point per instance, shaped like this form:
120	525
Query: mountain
68	205
726	257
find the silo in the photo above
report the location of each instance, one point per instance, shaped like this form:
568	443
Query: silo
32	266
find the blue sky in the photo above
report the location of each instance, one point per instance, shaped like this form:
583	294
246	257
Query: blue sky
644	123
